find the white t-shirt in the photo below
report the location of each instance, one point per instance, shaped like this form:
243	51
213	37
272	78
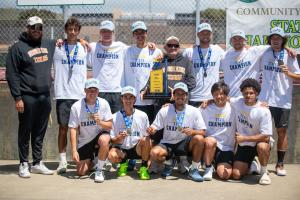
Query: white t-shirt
108	65
240	65
277	87
138	64
166	118
220	123
251	120
203	84
63	87
88	129
139	126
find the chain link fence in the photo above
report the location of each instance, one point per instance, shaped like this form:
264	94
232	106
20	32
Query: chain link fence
163	19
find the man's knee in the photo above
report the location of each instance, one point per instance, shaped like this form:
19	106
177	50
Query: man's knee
210	142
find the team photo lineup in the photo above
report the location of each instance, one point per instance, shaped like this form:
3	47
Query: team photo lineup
151	110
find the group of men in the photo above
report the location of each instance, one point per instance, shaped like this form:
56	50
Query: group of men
109	119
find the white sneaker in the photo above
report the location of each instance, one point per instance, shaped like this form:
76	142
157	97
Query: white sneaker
280	171
183	165
107	165
41	169
62	167
99	176
24	170
254	167
208	173
265	179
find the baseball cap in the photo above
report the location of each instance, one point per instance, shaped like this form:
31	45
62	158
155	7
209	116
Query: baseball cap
181	86
203	27
128	90
277	31
34	20
172	38
108	25
138	25
92	82
238	33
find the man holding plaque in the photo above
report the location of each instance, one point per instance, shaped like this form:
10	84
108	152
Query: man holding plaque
129	135
206	61
183	135
279	71
90	123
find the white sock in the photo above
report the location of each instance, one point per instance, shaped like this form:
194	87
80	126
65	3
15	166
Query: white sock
263	170
195	165
63	157
100	164
168	162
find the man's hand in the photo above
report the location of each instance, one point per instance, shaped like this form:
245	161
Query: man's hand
291	52
143	92
239	138
59	43
19	105
151	130
285	69
151	45
75	156
187	131
166	105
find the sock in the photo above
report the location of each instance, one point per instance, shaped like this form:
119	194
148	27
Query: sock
263	170
144	163
100	164
63	157
280	156
194	165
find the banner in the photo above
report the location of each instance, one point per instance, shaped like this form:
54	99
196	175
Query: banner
257	17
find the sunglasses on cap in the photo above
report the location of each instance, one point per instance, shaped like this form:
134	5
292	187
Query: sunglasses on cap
173	45
36	27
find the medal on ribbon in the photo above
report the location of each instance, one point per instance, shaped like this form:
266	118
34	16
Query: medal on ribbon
279	58
72	61
128	122
179	119
202	62
96	108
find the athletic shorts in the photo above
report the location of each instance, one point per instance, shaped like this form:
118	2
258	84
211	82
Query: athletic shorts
245	154
280	116
130	153
223	157
179	149
113	99
89	150
63	109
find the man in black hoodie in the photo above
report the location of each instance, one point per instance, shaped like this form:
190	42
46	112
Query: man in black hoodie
28	72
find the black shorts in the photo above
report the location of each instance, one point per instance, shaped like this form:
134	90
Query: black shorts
223	157
149	110
89	150
280	116
196	104
156	138
113	99
131	153
63	109
245	154
179	149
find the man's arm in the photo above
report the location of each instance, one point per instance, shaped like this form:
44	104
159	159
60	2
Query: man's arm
189	77
73	141
253	138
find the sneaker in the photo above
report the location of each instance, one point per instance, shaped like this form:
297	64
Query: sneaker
254	167
107	165
183	165
40	168
167	170
208	173
280	171
156	167
265	179
99	176
194	174
144	174
131	164
62	167
122	170
24	170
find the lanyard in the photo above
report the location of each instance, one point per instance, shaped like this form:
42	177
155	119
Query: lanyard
280	56
202	62
74	58
96	108
127	120
179	119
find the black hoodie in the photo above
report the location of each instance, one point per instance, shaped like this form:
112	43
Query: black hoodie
28	66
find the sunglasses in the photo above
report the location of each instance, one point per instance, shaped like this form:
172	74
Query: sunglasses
36	27
173	45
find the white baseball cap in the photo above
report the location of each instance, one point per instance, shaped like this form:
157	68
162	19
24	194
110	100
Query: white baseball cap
238	33
34	20
92	82
128	90
277	31
181	86
203	27
138	25
172	38
108	25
